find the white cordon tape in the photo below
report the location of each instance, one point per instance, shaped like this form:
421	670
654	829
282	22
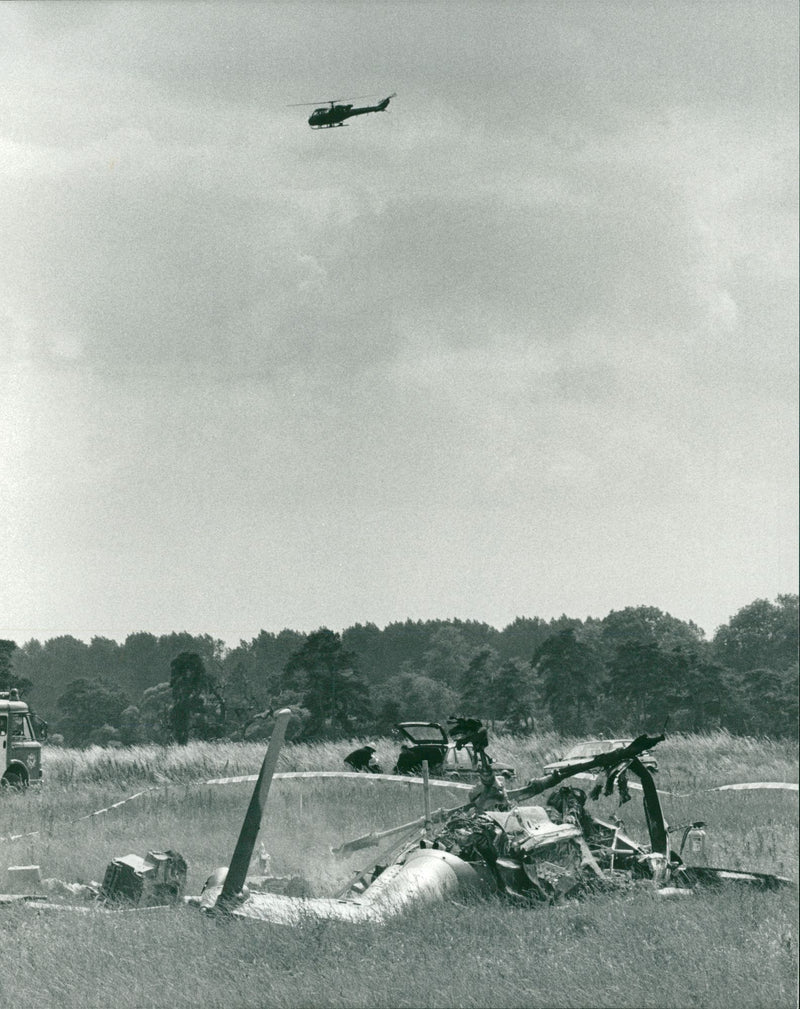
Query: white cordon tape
745	786
87	816
742	787
253	777
407	779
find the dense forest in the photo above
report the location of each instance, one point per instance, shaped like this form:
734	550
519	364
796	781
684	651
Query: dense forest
630	671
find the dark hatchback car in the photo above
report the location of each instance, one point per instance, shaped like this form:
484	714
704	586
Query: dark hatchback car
430	741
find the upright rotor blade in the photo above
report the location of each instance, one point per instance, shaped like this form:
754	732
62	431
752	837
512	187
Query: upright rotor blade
243	852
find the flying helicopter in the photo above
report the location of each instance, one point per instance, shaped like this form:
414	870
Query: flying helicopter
326	118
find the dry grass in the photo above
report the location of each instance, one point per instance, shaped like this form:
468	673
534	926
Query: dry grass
197	761
687	761
730	951
714	952
173	808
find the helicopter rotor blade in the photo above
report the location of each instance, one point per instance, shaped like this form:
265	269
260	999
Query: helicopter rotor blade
331	101
322	101
242	853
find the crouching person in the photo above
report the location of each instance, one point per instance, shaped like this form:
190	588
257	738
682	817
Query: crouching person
363	759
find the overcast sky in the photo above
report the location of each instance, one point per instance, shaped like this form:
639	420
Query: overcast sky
524	344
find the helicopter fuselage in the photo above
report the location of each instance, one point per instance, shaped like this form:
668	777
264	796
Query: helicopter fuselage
325	118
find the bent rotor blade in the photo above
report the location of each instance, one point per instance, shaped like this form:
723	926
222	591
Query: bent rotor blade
243	852
374	837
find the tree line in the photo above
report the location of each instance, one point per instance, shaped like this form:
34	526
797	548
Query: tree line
637	668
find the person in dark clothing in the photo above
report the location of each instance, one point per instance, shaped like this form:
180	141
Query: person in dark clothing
363	759
409	760
469	730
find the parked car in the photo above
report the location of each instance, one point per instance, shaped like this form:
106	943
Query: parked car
430	741
593	747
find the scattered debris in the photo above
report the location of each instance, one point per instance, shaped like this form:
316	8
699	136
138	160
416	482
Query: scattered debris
265	881
23	878
83	891
19	898
157	879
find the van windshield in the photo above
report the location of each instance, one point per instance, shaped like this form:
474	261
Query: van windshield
21	727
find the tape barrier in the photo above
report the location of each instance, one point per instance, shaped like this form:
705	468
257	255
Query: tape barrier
405	779
744	786
114	805
86	816
747	786
250	778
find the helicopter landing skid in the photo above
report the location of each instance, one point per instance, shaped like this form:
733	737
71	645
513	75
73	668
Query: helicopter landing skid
330	126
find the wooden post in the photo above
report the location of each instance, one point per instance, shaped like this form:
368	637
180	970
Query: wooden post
426	794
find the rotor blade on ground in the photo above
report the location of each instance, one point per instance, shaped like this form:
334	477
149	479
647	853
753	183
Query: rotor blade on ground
242	853
374	837
403	779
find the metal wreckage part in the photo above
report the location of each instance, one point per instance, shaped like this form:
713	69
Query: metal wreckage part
153	881
492	844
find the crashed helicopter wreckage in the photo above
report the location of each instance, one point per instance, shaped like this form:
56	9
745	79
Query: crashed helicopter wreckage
493	844
496	843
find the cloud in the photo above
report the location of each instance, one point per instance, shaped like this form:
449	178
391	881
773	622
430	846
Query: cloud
544	309
178	239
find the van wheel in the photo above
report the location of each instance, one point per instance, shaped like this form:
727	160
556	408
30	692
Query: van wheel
15	780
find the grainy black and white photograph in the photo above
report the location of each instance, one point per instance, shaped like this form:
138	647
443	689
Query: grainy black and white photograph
399	495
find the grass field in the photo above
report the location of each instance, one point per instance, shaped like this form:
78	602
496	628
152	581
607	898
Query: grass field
729	950
687	761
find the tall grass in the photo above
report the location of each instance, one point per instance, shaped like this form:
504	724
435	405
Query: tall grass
729	951
197	761
687	761
714	951
173	808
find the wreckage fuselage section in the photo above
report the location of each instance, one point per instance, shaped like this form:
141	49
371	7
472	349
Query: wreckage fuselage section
495	844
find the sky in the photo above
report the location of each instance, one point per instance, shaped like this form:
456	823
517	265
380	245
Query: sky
524	344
